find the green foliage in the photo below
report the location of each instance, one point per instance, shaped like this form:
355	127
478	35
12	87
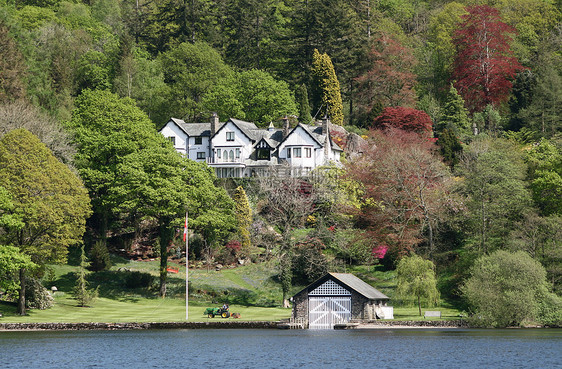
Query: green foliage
211	210
541	237
489	120
82	294
264	99
36	295
494	182
308	262
507	289
136	279
451	147
12	260
454	115
303	105
191	71
44	191
416	281
545	172
99	257
244	217
327	95
12	67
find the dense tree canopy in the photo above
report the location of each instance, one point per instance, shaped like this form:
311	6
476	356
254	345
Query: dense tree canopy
509	289
48	199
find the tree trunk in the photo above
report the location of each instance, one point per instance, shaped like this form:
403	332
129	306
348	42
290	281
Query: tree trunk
419	304
21	299
165	238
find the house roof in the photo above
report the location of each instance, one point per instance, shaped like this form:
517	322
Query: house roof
194	129
246	128
272	137
315	132
351	282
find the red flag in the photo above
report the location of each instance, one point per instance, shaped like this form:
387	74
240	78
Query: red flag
185	229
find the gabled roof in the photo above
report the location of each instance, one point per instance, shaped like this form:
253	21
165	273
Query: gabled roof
350	282
315	132
193	129
314	137
245	127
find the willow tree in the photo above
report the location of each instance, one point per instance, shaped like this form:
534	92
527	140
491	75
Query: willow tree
416	278
326	87
48	199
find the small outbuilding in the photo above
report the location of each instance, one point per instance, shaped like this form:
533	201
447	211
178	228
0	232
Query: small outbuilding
338	298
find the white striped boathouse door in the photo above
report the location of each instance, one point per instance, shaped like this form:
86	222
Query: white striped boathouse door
328	304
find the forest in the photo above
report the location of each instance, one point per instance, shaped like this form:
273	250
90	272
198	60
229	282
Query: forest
459	104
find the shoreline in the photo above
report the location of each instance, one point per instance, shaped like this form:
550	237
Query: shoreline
220	325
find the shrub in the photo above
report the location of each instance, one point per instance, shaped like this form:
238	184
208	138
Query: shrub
136	279
509	289
37	296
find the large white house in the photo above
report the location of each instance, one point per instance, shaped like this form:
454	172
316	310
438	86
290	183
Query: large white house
237	148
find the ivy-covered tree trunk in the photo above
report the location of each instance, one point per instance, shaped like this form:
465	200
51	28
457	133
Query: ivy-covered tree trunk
166	233
21	299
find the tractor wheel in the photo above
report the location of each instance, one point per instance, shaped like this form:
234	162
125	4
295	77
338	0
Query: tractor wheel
211	315
225	314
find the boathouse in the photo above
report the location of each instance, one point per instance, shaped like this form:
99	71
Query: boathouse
338	298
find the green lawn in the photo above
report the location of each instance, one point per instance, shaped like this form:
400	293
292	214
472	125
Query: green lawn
136	310
250	290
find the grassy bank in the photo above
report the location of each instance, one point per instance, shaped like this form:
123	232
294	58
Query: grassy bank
250	290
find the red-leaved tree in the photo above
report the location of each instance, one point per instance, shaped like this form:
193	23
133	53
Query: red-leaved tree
406	119
405	191
484	65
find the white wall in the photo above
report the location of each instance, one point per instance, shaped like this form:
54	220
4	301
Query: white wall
172	130
193	149
241	141
299	138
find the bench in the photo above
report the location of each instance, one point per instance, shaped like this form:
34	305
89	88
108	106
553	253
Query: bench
432	314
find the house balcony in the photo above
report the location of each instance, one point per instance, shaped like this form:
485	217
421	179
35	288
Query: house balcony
216	162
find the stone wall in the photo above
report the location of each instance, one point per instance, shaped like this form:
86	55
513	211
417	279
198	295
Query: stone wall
300	306
118	326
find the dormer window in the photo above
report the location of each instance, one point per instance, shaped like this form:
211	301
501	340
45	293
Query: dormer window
263	154
199	140
230	136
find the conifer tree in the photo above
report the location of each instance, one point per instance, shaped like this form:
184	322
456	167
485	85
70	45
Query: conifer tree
455	114
244	217
99	255
450	146
304	106
82	294
327	97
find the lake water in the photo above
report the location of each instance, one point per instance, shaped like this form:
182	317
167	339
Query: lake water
266	348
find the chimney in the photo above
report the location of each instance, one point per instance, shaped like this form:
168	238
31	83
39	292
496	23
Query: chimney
326	133
325	125
286	126
214	123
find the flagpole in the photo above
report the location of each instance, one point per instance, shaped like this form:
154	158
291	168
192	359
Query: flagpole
186	236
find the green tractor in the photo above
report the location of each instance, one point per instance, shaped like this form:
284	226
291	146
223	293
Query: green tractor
222	312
